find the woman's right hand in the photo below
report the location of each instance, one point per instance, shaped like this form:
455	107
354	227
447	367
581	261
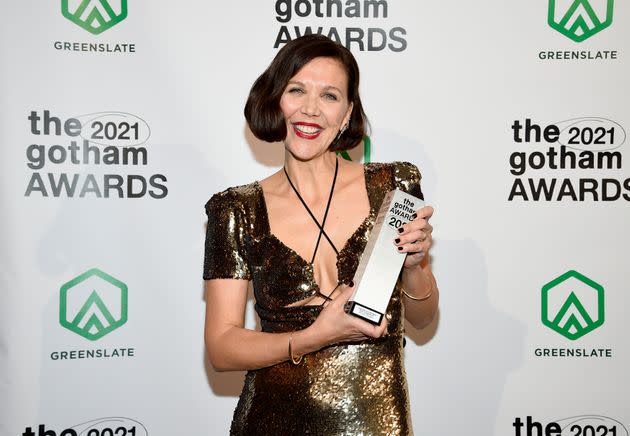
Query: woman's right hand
334	325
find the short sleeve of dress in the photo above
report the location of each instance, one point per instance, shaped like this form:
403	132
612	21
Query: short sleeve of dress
225	248
407	178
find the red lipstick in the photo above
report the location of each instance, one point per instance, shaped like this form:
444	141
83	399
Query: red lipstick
307	130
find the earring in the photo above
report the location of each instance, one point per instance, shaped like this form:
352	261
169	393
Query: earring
343	129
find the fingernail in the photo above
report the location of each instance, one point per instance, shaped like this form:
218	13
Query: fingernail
414	216
400	230
397	240
351	284
399	248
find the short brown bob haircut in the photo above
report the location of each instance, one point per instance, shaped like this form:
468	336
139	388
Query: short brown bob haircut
262	110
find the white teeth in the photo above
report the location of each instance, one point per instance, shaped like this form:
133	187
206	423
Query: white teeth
309	130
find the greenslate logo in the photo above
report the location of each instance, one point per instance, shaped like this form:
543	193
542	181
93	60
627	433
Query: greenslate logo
93	304
572	305
95	16
580	19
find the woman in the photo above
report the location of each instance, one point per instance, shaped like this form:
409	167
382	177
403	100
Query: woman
298	236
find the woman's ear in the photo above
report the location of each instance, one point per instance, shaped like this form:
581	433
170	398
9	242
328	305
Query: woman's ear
346	118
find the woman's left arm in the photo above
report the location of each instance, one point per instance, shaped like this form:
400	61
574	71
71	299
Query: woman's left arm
420	291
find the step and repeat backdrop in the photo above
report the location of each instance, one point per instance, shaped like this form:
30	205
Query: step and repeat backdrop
120	118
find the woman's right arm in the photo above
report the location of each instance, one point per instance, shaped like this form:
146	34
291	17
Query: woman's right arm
232	347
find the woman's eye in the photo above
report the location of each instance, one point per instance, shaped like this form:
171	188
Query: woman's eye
329	96
296	91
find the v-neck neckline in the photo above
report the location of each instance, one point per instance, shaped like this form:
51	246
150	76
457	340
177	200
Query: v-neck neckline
302	260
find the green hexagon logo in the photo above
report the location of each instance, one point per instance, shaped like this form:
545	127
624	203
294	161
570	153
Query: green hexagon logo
95	16
580	19
93	304
572	305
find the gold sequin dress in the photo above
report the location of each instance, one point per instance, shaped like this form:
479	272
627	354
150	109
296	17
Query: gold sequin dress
345	389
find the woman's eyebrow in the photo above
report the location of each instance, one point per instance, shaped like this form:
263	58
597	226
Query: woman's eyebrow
326	88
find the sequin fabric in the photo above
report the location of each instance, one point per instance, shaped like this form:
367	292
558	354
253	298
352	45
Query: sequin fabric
343	389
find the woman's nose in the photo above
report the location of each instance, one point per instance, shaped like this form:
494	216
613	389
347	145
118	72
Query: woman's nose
310	105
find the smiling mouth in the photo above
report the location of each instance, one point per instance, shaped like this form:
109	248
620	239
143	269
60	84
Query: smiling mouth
307	130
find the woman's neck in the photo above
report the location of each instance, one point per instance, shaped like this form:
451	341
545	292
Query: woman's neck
312	178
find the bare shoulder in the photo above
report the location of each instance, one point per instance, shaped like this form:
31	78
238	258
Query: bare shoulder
356	167
273	184
353	173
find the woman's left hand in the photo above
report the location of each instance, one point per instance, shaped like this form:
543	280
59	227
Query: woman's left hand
414	238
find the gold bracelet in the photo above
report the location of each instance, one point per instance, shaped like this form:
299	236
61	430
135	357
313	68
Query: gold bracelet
294	360
426	297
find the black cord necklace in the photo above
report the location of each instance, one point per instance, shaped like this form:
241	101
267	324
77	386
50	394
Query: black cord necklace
308	209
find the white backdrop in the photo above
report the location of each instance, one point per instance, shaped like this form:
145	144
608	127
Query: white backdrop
445	86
